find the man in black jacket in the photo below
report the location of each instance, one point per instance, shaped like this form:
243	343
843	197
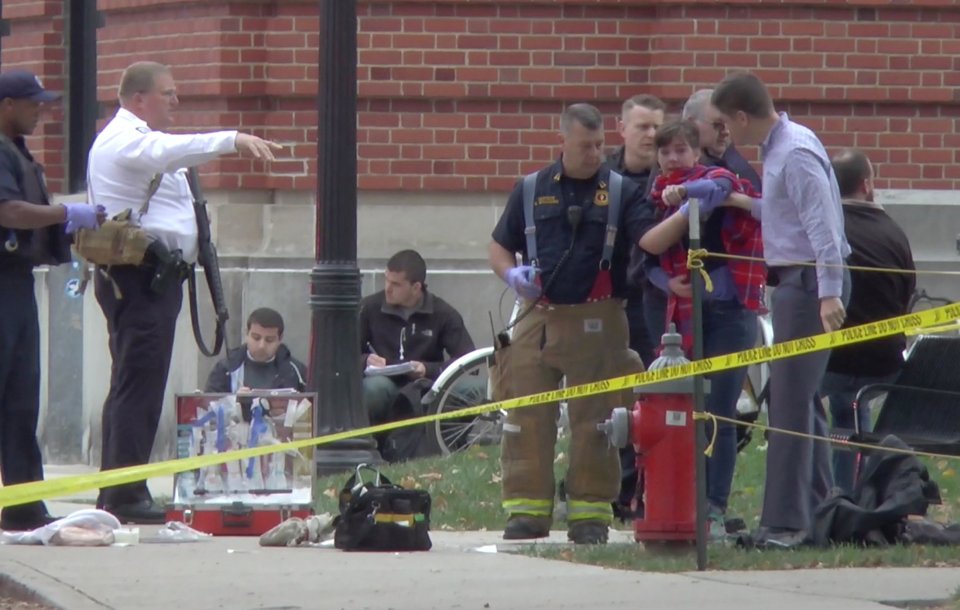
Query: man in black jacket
640	117
262	363
876	240
404	323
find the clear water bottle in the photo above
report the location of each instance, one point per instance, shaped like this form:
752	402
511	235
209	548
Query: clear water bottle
186	485
671	350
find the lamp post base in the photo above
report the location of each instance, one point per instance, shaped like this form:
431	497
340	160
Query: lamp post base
345	455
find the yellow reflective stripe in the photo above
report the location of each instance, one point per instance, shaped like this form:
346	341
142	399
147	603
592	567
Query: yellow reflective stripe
527	506
402	519
577	510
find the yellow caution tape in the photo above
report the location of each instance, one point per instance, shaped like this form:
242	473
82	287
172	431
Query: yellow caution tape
934	330
42	490
699	255
825	439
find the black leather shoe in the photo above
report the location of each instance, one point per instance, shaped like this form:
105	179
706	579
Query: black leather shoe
525	527
25	524
145	512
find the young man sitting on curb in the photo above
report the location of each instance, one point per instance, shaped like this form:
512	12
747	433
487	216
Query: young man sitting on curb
263	362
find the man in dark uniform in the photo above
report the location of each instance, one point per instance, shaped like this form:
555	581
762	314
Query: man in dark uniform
574	230
640	117
136	167
34	233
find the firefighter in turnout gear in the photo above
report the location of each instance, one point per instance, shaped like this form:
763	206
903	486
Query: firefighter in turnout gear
573	223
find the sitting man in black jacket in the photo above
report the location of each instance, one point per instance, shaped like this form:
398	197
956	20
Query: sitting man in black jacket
406	324
262	363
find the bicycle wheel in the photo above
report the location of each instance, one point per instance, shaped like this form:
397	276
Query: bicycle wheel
469	387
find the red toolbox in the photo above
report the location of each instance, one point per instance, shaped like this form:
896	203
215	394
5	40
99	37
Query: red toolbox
243	497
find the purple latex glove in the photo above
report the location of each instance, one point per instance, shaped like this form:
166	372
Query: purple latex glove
521	279
83	216
709	192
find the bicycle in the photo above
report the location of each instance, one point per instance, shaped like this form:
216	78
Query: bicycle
921	301
466	383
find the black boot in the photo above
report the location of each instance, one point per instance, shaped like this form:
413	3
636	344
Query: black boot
588	531
525	527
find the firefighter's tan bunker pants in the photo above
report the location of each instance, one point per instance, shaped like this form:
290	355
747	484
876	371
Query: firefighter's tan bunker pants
585	343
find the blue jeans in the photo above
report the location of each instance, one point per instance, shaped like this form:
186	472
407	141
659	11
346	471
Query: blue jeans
728	327
379	394
841	390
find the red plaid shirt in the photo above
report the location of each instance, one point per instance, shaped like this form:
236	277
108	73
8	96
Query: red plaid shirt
740	235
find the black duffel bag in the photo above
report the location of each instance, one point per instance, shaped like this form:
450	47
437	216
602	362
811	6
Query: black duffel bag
380	516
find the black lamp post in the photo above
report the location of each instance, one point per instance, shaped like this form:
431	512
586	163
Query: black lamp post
335	279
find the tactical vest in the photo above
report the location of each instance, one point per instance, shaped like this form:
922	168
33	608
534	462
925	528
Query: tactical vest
44	246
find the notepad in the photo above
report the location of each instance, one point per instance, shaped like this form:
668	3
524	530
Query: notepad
391	370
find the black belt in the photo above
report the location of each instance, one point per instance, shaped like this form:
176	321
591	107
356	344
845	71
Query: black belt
775	274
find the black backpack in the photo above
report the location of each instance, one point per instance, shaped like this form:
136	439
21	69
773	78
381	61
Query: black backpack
409	442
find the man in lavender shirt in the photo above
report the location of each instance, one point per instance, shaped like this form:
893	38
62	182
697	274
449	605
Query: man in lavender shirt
802	222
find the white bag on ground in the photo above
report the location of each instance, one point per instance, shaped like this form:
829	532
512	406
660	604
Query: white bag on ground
87	527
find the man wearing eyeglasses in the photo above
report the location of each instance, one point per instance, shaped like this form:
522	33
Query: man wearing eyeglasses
718	149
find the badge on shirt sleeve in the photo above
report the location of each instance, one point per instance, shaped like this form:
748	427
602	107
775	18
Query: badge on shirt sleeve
593	325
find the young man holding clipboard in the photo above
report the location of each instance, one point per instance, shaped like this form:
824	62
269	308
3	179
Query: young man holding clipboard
408	336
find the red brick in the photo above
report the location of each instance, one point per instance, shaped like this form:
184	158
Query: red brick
812	60
599	51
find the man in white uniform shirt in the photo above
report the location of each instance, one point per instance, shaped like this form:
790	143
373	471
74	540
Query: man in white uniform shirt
126	159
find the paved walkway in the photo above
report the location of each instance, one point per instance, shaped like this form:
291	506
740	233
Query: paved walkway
464	570
236	573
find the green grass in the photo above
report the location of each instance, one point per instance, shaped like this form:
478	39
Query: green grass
636	557
464	488
466	496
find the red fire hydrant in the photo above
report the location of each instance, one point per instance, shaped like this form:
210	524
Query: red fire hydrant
662	430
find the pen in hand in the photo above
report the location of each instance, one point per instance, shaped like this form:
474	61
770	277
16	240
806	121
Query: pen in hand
373	358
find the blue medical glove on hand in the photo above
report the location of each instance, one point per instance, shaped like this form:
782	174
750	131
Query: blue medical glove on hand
521	280
83	216
708	192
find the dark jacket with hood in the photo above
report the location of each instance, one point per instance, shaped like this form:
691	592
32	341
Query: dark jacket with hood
227	376
421	335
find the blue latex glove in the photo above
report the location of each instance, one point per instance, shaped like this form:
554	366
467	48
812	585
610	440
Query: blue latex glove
710	193
83	216
521	280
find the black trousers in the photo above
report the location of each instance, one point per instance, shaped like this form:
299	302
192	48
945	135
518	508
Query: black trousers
141	326
646	310
20	459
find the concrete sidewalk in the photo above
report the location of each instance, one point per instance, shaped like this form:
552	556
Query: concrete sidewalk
464	570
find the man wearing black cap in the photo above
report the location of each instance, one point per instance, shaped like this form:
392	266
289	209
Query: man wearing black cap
34	233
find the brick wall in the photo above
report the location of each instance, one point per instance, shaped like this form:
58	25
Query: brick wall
233	71
462	95
36	42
